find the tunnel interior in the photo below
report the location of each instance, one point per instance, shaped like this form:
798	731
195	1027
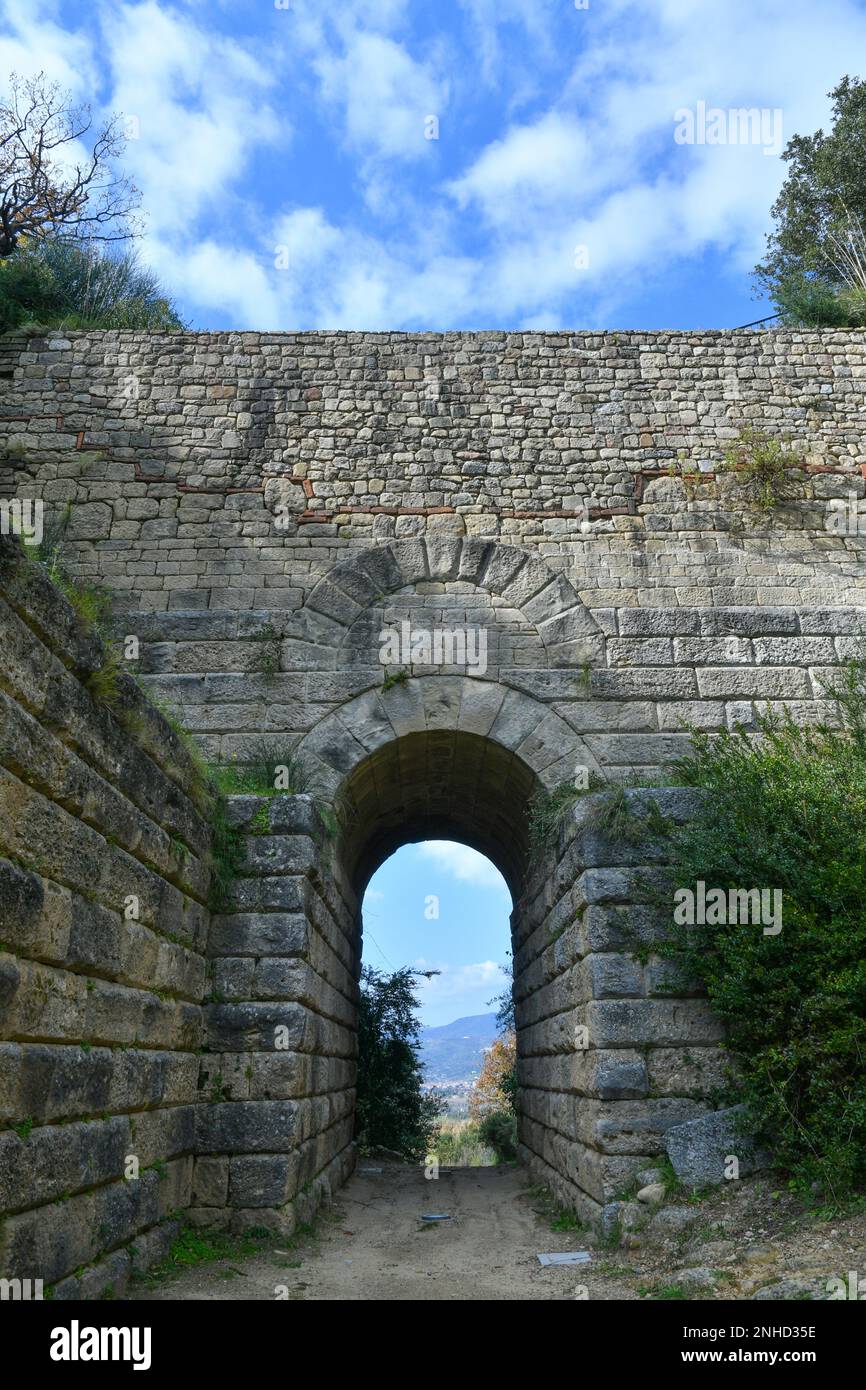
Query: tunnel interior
436	785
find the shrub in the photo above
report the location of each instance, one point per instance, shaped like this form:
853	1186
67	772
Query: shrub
788	812
506	1016
391	1111
458	1144
271	767
763	465
549	810
499	1132
73	284
808	301
226	856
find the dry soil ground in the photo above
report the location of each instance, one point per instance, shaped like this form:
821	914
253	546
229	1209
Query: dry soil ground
746	1240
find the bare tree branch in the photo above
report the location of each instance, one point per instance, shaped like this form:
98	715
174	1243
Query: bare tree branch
44	190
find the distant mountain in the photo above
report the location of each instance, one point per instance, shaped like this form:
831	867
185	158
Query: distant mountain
454	1051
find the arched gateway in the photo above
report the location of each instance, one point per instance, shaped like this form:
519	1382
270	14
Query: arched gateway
442	571
607	1058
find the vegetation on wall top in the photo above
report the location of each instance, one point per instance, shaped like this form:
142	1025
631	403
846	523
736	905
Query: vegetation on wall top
75	284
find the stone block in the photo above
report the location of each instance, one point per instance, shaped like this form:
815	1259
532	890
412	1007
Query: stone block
699	1149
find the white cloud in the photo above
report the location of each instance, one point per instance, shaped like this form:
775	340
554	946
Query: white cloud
459	981
494	239
35	42
530	168
227	281
463	863
373	14
601	168
308	237
201	108
385	95
534	20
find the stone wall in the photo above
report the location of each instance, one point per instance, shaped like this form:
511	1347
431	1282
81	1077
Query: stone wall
183	452
275	1136
611	1053
157	1060
103	928
262	505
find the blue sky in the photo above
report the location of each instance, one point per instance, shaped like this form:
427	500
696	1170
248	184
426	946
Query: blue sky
441	906
282	154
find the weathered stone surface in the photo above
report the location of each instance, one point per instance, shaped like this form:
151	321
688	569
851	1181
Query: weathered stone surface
103	921
790	1289
266	1180
652	1193
671	1223
700	1149
210	1182
257	1126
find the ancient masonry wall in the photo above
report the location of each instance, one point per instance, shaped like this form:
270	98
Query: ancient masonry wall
103	927
231	489
610	1051
262	507
155	1060
275	1137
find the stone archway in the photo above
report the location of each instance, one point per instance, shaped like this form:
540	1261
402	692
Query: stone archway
608	1059
537	625
336	622
660	614
602	1046
448	705
437	784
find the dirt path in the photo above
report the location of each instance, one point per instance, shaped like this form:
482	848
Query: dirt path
372	1245
745	1240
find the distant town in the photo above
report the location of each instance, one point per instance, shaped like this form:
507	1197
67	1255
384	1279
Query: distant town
452	1055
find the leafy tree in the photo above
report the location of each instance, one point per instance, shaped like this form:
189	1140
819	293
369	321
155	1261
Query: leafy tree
75	284
788	812
820	211
498	1079
56	173
392	1110
495	1086
493	1099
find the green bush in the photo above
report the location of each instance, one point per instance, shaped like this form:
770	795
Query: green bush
809	301
458	1144
70	284
788	812
499	1132
763	464
548	811
270	762
391	1109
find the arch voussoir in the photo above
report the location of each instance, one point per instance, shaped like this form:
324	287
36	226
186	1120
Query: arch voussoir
531	578
344	609
411	558
367	720
443	557
334	603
